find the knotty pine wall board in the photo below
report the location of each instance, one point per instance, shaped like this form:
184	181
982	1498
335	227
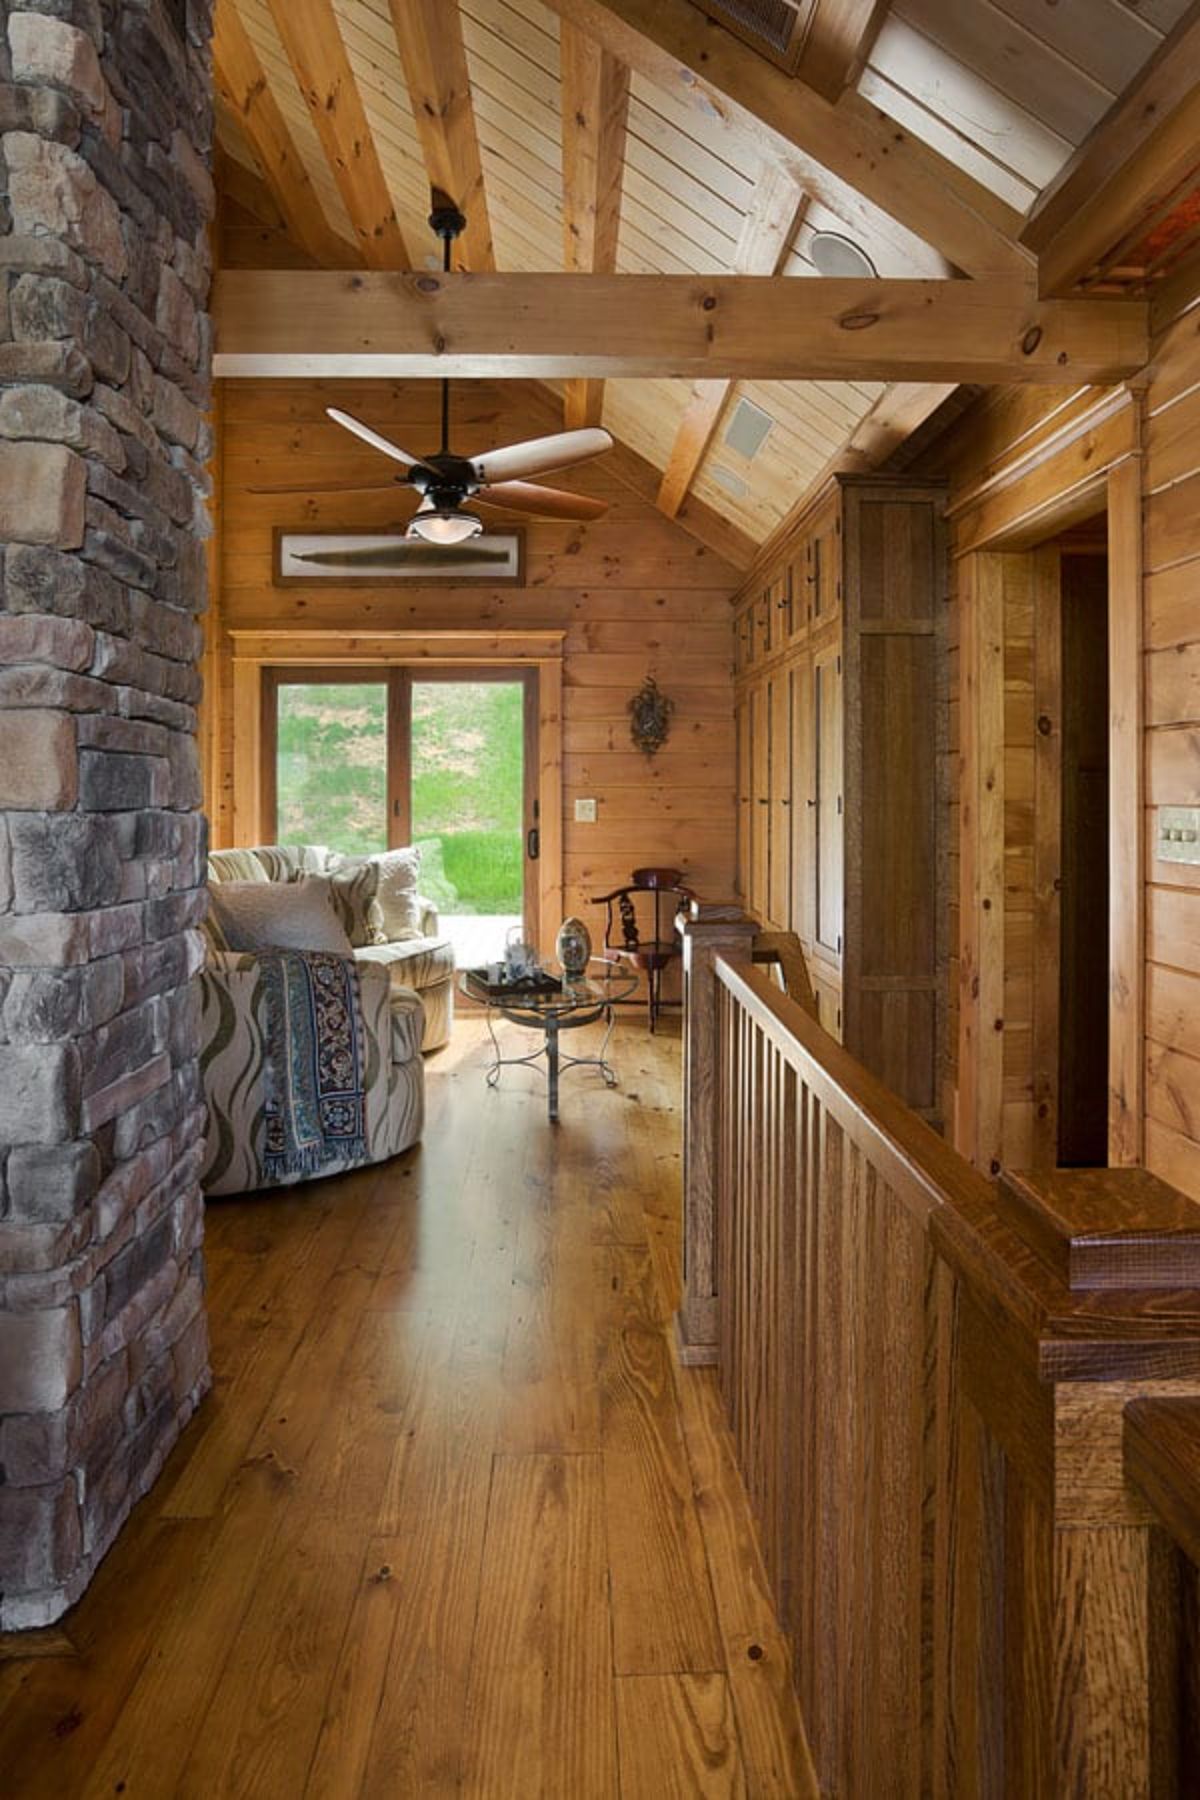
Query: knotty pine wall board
1004	458
634	593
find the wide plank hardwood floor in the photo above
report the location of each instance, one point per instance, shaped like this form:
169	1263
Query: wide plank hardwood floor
453	1520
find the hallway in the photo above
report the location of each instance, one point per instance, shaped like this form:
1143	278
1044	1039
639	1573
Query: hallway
453	1520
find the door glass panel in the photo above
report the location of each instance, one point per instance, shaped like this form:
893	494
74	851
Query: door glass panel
331	765
468	784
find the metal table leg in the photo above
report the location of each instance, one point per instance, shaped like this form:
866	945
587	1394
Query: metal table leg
552	1061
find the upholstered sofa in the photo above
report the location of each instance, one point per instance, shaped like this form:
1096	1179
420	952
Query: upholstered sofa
423	963
251	1070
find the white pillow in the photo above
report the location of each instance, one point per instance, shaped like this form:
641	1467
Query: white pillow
396	908
272	915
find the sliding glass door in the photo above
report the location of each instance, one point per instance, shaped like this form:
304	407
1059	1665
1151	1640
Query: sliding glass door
331	764
467	766
364	760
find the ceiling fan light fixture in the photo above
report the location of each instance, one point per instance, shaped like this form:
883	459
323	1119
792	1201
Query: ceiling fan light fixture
443	525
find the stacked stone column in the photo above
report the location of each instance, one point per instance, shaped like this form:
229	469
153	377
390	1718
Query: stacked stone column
105	200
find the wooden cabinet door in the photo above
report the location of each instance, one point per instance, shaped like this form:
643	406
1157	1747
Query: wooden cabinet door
743	626
745	799
827	791
760	809
829	1007
761	635
803	831
779	812
825	568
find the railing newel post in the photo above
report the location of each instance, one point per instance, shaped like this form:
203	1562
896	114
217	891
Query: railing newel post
709	930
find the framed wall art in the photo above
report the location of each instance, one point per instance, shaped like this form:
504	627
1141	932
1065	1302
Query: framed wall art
385	558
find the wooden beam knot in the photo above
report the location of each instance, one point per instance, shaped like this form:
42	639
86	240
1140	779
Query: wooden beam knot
858	321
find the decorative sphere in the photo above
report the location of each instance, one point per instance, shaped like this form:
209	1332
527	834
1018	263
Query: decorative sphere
573	946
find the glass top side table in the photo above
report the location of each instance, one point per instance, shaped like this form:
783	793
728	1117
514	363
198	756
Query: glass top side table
582	1000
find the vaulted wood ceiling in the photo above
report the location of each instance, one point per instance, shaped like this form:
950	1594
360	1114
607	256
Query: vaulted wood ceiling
942	136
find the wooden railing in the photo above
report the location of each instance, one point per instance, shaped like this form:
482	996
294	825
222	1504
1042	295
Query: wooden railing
926	1375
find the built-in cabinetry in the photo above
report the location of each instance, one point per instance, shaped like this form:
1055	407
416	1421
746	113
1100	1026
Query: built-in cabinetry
839	656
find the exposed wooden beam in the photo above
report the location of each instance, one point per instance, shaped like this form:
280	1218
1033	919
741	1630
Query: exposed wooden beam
430	40
862	149
776	208
899	411
595	108
697	428
310	35
1145	148
838	42
242	83
555	325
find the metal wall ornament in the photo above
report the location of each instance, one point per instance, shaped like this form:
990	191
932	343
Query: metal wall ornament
650	717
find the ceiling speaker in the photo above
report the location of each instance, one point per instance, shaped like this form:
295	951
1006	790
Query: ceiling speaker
748	428
833	254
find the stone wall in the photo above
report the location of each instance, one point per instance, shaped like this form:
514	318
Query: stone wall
105	199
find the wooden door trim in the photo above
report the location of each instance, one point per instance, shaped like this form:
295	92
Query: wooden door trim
1047	848
335	655
1126	817
981	946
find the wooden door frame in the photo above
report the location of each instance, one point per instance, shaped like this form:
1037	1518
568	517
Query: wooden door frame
532	654
978	1124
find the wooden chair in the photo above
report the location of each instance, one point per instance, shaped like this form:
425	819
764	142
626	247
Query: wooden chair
649	942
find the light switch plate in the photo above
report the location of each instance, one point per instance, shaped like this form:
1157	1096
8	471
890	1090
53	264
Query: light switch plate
1178	834
585	812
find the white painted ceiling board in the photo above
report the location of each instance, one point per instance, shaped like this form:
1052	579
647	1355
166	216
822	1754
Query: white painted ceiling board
1103	37
957	97
932	130
1040	84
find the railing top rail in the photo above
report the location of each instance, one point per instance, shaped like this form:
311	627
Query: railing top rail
1081	1336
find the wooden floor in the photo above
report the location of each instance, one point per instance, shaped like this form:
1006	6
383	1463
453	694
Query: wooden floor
453	1520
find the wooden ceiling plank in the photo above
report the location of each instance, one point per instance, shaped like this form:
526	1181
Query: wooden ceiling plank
309	32
776	209
847	146
733	326
234	181
430	40
900	410
838	42
595	117
242	84
1142	149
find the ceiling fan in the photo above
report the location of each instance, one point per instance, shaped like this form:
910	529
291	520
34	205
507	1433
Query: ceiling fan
445	481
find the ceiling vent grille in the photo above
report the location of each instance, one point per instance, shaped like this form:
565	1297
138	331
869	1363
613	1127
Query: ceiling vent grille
776	28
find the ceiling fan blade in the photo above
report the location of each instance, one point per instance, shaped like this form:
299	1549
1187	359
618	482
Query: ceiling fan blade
350	423
334	487
548	503
537	456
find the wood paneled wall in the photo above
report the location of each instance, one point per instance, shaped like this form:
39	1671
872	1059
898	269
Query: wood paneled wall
635	594
1171	467
1024	467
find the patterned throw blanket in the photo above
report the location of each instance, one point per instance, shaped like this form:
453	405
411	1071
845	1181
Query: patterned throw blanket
316	1063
